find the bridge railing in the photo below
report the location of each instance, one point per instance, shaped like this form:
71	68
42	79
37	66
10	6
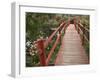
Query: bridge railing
82	30
43	43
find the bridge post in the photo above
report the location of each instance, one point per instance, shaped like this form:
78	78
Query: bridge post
75	22
65	29
83	34
41	50
60	35
78	28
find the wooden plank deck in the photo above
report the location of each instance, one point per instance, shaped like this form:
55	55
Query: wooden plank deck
72	51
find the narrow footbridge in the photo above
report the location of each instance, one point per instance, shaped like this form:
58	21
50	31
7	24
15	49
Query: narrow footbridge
72	37
72	51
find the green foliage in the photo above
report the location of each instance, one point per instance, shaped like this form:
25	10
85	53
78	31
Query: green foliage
38	25
32	60
87	48
36	22
85	20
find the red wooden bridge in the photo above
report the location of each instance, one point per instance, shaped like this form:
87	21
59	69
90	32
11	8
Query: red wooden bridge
71	50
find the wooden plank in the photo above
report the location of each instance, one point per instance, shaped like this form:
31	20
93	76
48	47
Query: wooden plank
72	50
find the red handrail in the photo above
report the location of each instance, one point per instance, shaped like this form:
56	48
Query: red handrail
53	34
81	28
52	49
42	44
